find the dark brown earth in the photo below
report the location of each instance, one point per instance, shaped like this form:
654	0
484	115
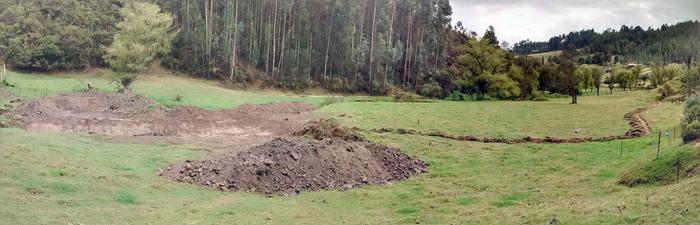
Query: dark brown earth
638	128
291	166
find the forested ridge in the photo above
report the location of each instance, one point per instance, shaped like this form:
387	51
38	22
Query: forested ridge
677	43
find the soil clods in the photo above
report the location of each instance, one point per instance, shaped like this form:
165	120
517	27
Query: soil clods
291	166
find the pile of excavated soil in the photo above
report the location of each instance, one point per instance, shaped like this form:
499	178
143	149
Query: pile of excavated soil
133	115
328	128
290	166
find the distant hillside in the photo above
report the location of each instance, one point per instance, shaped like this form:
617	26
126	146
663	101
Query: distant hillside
678	43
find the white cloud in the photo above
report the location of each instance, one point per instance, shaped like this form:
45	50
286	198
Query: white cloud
538	20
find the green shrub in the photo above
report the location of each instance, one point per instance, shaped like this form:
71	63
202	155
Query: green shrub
670	88
456	96
539	97
331	100
431	90
6	84
690	127
403	96
691	81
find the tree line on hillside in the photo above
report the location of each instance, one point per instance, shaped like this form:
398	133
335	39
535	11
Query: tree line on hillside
370	46
343	45
679	43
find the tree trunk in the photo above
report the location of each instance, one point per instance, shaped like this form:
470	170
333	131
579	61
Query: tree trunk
328	43
283	45
371	48
407	53
274	41
391	37
235	43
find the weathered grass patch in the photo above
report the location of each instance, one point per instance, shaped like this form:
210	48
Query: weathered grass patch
126	197
509	200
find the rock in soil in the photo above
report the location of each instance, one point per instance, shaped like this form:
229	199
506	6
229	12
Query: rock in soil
291	166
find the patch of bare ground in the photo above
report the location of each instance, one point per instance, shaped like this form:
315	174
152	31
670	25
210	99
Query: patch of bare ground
638	127
133	115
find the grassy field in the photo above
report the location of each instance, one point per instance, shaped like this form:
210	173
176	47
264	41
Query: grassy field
80	179
594	116
162	88
545	55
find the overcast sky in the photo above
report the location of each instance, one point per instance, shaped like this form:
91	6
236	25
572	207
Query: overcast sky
538	20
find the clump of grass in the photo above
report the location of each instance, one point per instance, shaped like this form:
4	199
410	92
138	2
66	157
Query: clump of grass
331	100
58	173
126	197
5	83
464	200
62	188
511	199
178	98
407	210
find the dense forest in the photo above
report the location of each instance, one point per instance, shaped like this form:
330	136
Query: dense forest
344	45
369	46
677	43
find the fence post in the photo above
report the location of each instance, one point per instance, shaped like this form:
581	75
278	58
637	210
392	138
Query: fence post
658	146
674	134
678	170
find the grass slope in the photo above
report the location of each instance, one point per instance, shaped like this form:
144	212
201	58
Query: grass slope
594	115
162	88
65	178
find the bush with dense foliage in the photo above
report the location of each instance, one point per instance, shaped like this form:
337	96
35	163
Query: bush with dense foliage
431	90
691	120
691	81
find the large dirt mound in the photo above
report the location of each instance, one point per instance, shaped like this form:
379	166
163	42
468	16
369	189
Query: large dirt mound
133	115
290	166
